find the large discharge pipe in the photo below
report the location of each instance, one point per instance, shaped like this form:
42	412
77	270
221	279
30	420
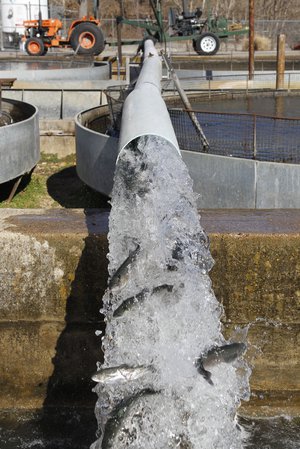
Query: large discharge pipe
144	111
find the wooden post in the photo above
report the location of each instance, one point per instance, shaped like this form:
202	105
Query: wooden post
119	32
83	8
280	61
119	40
279	105
127	70
251	40
254	137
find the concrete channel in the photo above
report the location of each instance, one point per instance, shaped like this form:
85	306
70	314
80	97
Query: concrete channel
53	275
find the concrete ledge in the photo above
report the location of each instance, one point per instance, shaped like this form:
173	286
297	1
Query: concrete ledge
54	272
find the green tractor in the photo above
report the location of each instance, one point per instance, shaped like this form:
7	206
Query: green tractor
186	25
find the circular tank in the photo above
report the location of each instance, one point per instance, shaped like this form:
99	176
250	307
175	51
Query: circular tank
220	180
59	69
19	140
282	104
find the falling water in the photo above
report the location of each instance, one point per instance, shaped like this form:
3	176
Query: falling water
161	314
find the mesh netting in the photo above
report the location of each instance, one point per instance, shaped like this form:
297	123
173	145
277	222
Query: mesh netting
116	96
247	136
240	135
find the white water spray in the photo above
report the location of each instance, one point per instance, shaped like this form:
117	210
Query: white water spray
159	307
175	319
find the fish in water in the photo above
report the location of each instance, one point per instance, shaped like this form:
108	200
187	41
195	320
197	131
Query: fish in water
114	429
121	373
120	277
218	354
128	303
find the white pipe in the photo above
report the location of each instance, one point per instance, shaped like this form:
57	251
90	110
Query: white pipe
144	111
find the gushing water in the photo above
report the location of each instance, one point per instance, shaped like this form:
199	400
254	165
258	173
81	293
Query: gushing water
161	315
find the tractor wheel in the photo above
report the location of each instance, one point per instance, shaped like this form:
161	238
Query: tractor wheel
87	38
207	44
35	46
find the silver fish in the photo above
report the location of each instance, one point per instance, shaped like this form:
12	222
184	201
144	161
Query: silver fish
218	354
121	373
128	303
120	276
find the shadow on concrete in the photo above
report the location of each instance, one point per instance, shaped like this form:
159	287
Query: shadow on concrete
69	191
69	392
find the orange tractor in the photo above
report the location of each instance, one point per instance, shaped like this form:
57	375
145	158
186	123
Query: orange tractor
84	36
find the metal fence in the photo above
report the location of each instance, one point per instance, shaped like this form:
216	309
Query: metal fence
247	136
271	29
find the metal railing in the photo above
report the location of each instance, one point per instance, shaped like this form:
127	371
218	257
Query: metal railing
213	80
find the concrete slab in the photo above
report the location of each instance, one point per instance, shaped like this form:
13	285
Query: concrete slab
73	102
49	106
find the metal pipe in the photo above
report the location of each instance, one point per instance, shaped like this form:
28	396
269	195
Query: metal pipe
144	111
186	102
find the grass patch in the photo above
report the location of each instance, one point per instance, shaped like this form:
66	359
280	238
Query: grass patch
53	184
54	159
30	195
51	158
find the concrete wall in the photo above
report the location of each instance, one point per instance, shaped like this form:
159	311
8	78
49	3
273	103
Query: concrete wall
57	137
53	275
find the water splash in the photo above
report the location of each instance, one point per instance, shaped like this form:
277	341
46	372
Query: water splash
161	313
